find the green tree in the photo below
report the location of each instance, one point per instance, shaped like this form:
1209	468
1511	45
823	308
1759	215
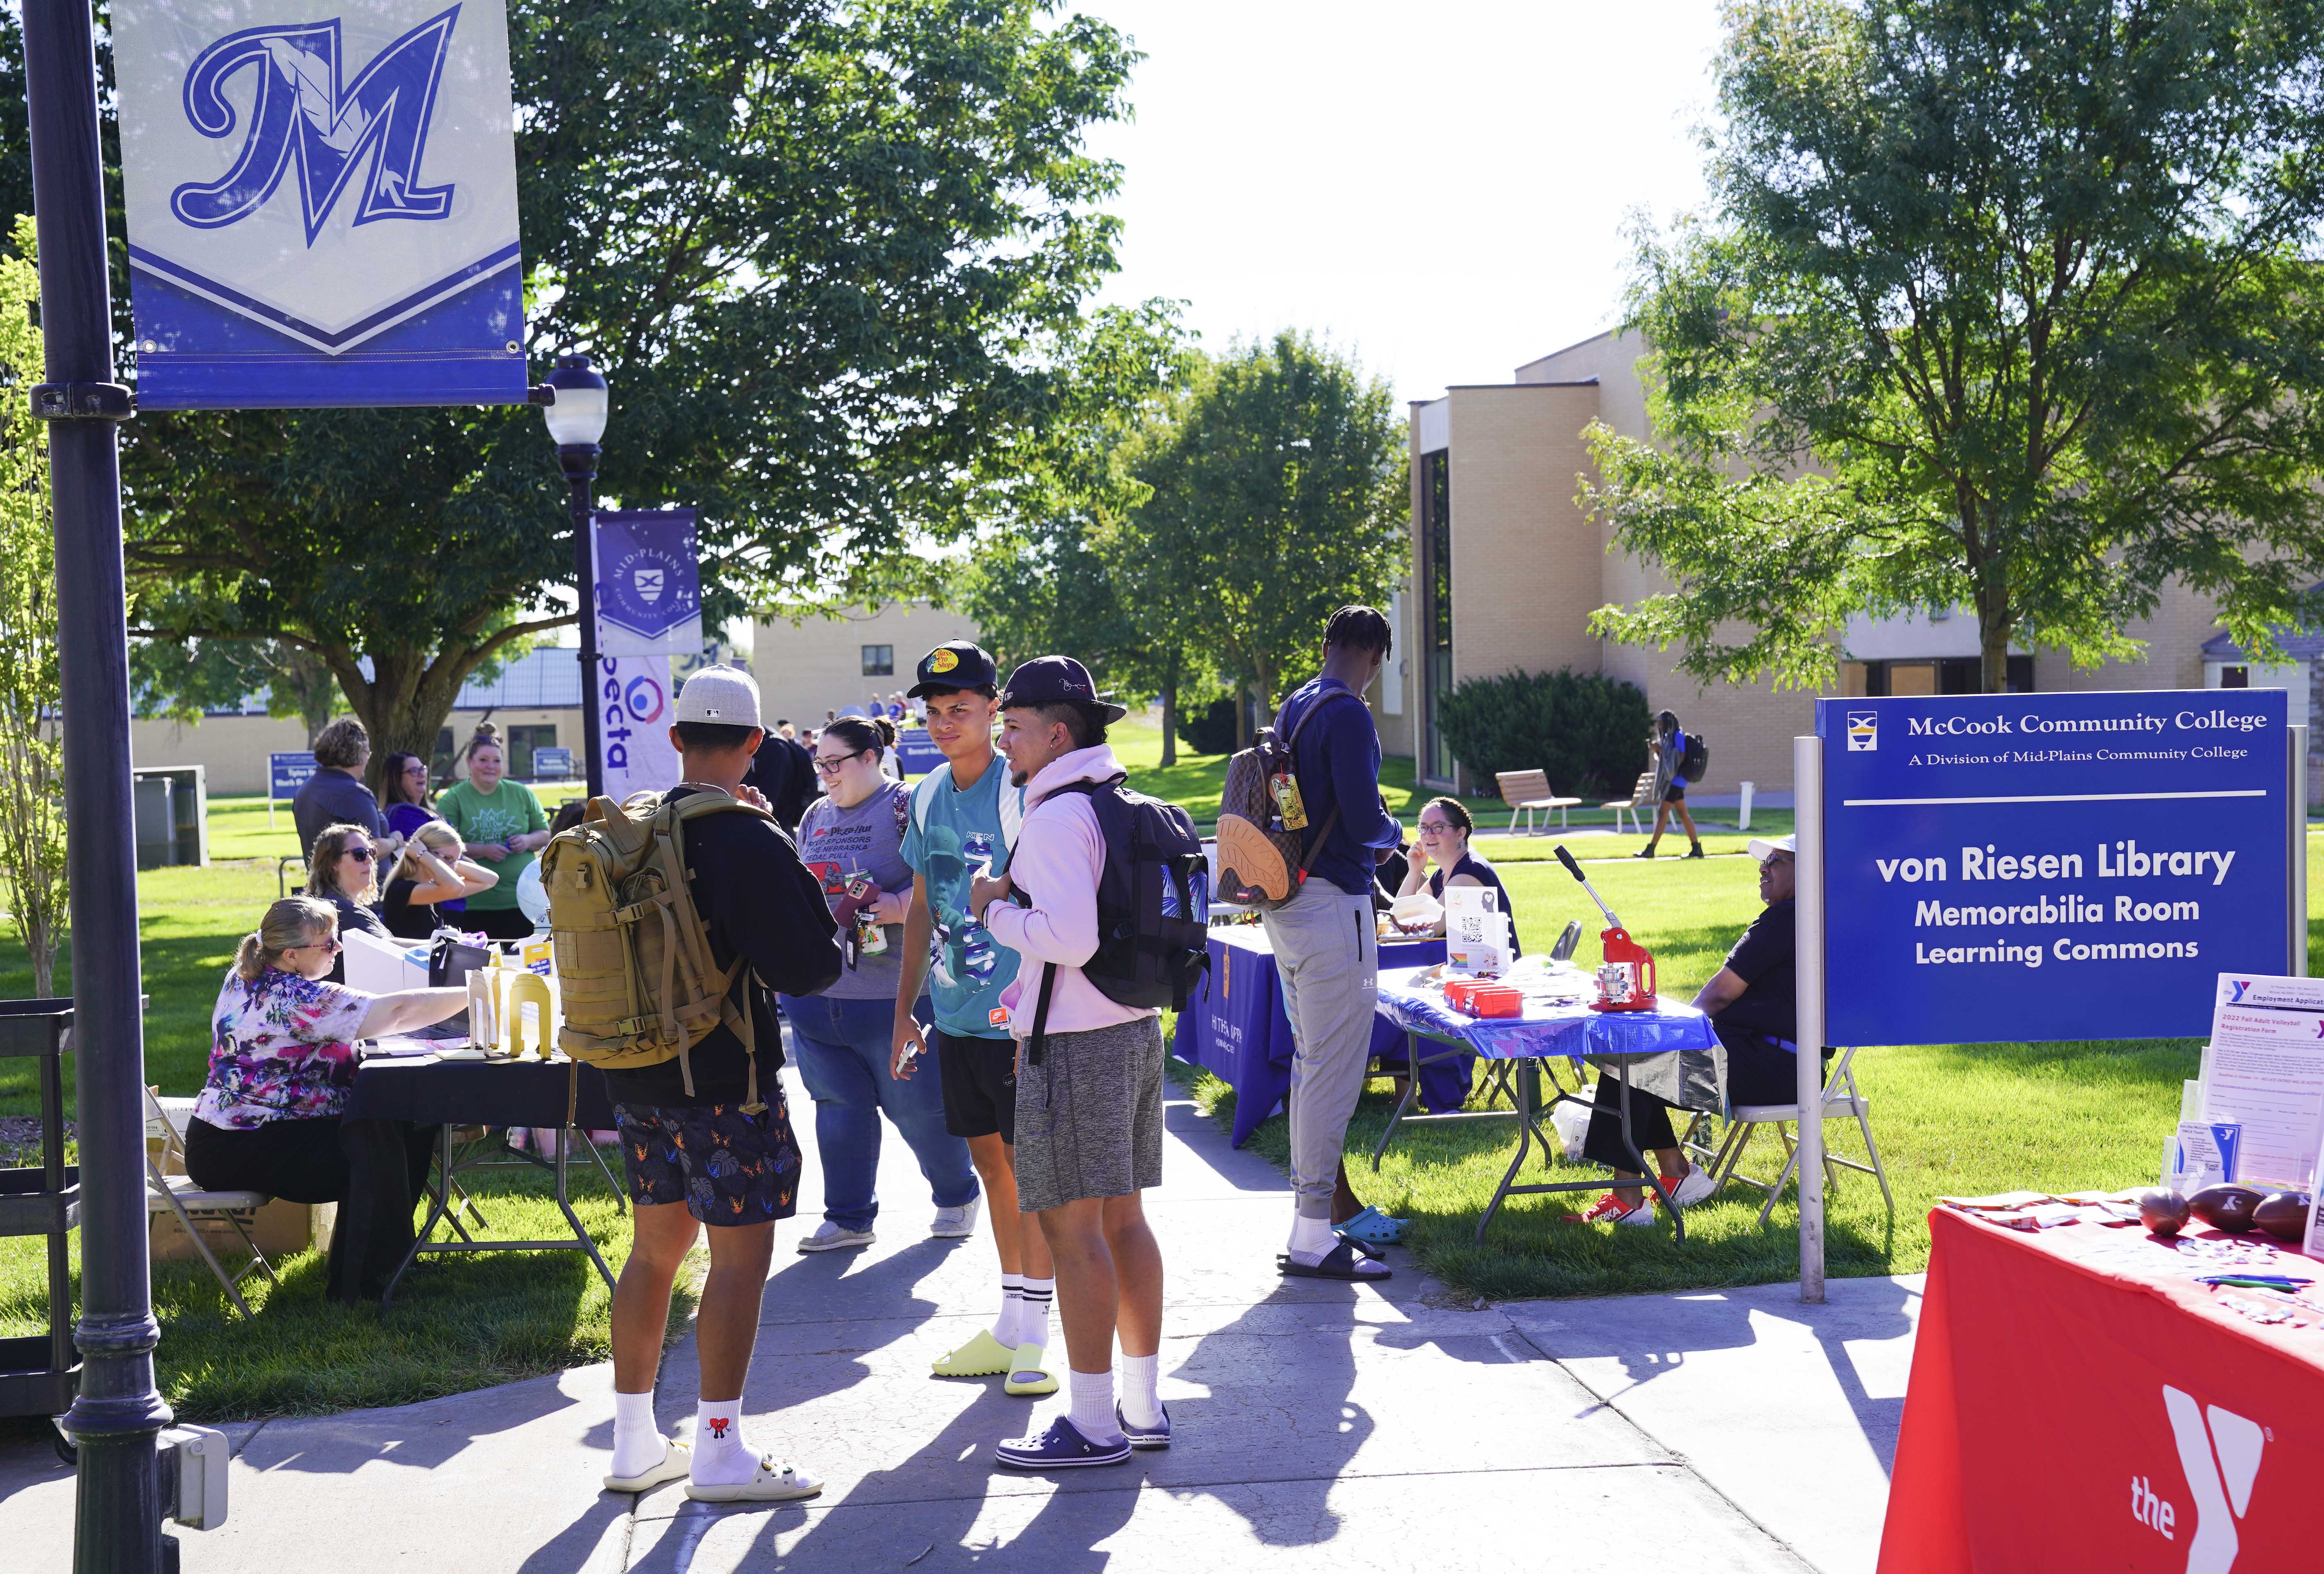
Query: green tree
815	245
1035	584
1278	496
185	679
2013	306
32	752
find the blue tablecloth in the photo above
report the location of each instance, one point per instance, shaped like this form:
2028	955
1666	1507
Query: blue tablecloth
1234	1027
1671	1052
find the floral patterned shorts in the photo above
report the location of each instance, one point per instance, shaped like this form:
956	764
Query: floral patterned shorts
726	1166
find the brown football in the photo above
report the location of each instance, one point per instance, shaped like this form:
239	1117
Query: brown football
2163	1211
2227	1208
2284	1215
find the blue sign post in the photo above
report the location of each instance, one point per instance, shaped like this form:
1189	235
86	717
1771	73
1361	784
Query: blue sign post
285	775
2000	867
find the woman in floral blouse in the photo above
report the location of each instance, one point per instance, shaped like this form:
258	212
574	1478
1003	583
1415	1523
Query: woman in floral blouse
281	1060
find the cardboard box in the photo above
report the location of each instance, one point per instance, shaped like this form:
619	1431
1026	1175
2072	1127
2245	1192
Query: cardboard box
279	1230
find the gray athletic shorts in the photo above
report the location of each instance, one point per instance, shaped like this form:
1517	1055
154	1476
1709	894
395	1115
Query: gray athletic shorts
1089	1118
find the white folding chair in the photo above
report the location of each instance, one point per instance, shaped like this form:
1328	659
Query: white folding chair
178	1194
1841	1097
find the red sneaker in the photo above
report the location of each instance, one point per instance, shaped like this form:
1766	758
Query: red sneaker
1612	1208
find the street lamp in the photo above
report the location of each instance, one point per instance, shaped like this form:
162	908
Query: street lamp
576	419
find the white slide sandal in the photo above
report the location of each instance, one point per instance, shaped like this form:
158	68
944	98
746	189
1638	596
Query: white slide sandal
774	1481
676	1460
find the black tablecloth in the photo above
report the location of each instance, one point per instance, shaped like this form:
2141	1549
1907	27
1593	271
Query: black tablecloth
476	1093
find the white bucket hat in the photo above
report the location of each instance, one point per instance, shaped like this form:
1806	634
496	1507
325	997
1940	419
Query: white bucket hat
727	695
1764	849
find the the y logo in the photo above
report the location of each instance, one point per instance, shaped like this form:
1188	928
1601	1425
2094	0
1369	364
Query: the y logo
304	114
2219	1463
2235	989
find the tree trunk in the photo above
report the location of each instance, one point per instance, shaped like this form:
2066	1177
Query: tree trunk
43	951
404	703
1994	627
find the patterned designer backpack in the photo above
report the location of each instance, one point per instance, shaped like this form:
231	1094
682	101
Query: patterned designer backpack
1262	862
635	969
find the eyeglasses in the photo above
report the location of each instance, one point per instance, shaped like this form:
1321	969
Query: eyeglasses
360	854
829	764
328	942
1440	828
415	768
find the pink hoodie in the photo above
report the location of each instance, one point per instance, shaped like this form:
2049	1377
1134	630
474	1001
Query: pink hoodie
1059	855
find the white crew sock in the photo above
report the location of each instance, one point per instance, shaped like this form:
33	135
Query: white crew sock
1311	1239
721	1458
1093	1406
638	1442
1005	1326
1033	1312
1141	1399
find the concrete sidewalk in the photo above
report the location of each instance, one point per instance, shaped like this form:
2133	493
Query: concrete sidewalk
1381	1428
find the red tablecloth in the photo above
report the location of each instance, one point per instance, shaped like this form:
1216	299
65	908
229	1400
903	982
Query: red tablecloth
2074	1405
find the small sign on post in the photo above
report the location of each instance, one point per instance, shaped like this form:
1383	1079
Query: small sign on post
285	775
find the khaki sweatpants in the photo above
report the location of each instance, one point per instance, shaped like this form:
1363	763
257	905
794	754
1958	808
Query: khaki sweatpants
1328	952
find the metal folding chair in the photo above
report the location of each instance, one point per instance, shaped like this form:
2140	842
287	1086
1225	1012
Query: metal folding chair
1841	1097
178	1194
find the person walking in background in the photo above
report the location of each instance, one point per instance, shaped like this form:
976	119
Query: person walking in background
964	818
705	1152
1325	944
1444	828
851	840
433	872
1668	744
783	773
343	871
1089	1095
503	825
335	795
405	783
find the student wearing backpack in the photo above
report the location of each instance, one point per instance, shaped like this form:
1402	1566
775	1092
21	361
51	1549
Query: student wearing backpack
962	818
706	1137
1327	946
1668	744
1089	1090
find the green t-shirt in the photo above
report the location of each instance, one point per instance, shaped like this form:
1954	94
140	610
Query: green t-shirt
952	831
512	810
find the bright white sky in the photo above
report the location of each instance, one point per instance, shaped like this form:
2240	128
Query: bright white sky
1440	188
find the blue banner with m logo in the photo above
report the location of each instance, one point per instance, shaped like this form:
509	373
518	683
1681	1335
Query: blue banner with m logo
320	212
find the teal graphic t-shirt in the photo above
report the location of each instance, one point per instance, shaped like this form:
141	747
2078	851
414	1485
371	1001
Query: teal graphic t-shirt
951	831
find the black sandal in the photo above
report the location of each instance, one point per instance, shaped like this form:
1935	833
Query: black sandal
1339	1263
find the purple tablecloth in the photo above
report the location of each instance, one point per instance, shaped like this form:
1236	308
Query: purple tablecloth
1671	1051
1234	1027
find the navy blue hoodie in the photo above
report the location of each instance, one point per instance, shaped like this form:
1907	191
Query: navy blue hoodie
1338	762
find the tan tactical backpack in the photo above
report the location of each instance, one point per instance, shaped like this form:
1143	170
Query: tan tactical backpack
1264	851
635	969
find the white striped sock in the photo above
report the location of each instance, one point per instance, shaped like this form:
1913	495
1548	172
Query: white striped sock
1013	1310
1033	1313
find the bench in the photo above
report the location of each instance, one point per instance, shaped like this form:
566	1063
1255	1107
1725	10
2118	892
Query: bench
1527	792
1641	797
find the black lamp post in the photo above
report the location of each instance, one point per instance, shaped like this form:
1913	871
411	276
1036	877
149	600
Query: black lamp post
117	1413
576	419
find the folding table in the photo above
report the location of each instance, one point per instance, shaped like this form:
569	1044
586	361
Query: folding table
561	1093
1670	1051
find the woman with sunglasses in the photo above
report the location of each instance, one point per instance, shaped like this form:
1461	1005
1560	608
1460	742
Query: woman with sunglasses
344	871
851	838
1444	827
281	1060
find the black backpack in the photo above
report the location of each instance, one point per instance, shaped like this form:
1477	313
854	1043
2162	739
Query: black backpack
1153	907
1697	758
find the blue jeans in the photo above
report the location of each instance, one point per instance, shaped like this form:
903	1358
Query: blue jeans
842	1050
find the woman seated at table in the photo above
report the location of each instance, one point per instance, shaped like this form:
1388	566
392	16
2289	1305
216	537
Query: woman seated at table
1753	1004
343	871
434	868
281	1061
1444	827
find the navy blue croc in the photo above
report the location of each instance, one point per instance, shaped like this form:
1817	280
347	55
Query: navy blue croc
1145	1437
1060	1448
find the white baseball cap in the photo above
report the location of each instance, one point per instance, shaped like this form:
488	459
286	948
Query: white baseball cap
727	695
1764	849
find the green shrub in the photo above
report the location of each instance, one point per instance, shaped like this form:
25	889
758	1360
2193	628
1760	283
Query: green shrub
1210	730
1589	732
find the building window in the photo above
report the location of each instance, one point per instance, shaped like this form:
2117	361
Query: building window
1949	675
1436	761
522	742
879	660
2235	677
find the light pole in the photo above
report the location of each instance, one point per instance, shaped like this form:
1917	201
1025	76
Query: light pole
117	1413
576	419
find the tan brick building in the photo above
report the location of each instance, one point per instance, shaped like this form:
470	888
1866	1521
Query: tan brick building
1507	569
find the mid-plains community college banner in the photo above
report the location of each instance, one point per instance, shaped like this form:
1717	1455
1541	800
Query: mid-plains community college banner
321	208
649	594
